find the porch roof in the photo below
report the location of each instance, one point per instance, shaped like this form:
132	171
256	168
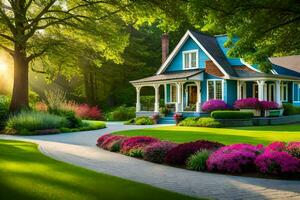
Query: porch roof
185	75
244	74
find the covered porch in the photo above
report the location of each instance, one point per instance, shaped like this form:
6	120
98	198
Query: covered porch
181	92
277	90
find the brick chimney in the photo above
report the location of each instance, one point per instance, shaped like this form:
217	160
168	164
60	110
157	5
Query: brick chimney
164	47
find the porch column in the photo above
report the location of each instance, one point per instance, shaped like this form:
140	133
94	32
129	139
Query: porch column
238	90
261	90
198	104
277	92
138	102
178	103
156	103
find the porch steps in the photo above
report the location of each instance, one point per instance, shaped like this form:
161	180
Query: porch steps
167	120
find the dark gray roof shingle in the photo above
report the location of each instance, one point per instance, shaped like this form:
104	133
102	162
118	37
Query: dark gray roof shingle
211	45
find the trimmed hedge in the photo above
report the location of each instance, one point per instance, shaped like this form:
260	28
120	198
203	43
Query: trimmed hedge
231	115
200	122
290	109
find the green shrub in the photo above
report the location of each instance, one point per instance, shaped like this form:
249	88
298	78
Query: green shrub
231	115
198	160
189	121
73	121
290	109
137	153
130	122
209	122
4	105
143	121
33	120
200	122
122	113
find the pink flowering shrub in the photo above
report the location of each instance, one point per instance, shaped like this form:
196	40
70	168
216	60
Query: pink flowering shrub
277	163
214	104
179	154
276	146
293	148
102	138
137	142
247	103
234	158
113	143
85	111
268	105
156	152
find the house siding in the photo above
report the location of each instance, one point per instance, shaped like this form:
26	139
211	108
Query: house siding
190	44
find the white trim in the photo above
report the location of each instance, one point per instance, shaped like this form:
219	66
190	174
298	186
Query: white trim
214	80
274	71
282	86
270	85
177	48
187	92
249	66
253	90
189	52
171	99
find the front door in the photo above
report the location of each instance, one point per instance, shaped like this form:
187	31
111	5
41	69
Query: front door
192	95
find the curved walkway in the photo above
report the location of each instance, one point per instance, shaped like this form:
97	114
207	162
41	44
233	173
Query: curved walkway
79	149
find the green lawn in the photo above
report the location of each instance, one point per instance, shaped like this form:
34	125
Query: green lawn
25	173
252	135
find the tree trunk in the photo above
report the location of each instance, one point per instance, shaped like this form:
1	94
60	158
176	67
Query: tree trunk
20	89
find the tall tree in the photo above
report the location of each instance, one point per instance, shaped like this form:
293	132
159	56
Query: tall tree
30	29
264	27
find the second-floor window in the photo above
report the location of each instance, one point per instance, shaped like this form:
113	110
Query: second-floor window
190	59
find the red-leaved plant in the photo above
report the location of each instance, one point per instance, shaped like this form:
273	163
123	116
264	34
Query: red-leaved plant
137	142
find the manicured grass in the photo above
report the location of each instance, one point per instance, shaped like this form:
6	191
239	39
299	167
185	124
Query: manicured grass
25	173
252	135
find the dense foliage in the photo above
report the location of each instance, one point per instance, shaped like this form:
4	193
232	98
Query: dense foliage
121	113
137	142
290	109
156	152
143	120
33	120
231	115
200	122
198	160
277	158
4	105
179	154
214	104
247	103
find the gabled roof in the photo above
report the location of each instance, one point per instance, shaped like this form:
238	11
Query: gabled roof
170	76
288	62
209	45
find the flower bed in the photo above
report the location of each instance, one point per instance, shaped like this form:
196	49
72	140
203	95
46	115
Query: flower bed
276	159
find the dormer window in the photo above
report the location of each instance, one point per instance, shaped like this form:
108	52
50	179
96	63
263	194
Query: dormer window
190	59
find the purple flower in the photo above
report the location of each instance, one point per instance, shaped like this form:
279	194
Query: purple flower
234	158
269	105
247	103
276	146
278	163
156	152
137	142
214	104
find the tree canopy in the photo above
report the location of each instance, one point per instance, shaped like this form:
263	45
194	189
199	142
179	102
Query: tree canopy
265	28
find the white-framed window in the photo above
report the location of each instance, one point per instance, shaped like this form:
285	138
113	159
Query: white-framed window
243	90
271	92
255	90
284	92
173	93
190	59
214	89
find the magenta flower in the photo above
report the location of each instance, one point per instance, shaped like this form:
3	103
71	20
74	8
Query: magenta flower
269	105
247	103
214	104
276	146
234	158
136	142
278	163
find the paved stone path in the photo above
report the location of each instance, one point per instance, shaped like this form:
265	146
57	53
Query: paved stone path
79	149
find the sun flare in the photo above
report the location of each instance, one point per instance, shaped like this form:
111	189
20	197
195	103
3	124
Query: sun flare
3	67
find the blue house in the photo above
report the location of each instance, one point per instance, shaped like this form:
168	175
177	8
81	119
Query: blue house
198	69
